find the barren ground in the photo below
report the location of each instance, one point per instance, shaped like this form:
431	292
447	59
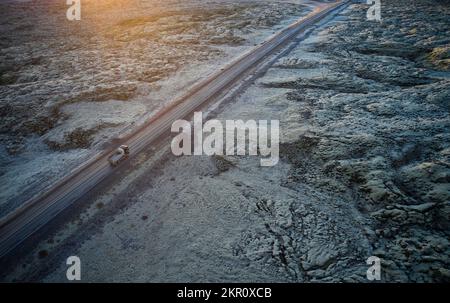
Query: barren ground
68	88
365	170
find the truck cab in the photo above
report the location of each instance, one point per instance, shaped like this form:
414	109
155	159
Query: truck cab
119	155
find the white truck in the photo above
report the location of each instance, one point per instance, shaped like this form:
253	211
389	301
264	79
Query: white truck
119	155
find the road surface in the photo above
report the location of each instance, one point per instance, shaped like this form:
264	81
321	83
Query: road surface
35	213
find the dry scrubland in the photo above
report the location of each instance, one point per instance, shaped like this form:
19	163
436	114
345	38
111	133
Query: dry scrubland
66	88
364	111
376	105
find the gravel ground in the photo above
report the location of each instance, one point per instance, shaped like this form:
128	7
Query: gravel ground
69	88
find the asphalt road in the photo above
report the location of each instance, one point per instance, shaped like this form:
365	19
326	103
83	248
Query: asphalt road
35	213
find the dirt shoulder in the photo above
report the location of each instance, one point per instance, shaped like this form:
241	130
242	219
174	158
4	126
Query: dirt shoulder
67	89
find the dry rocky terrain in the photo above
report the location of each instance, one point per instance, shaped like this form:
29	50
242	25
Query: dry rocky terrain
364	170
